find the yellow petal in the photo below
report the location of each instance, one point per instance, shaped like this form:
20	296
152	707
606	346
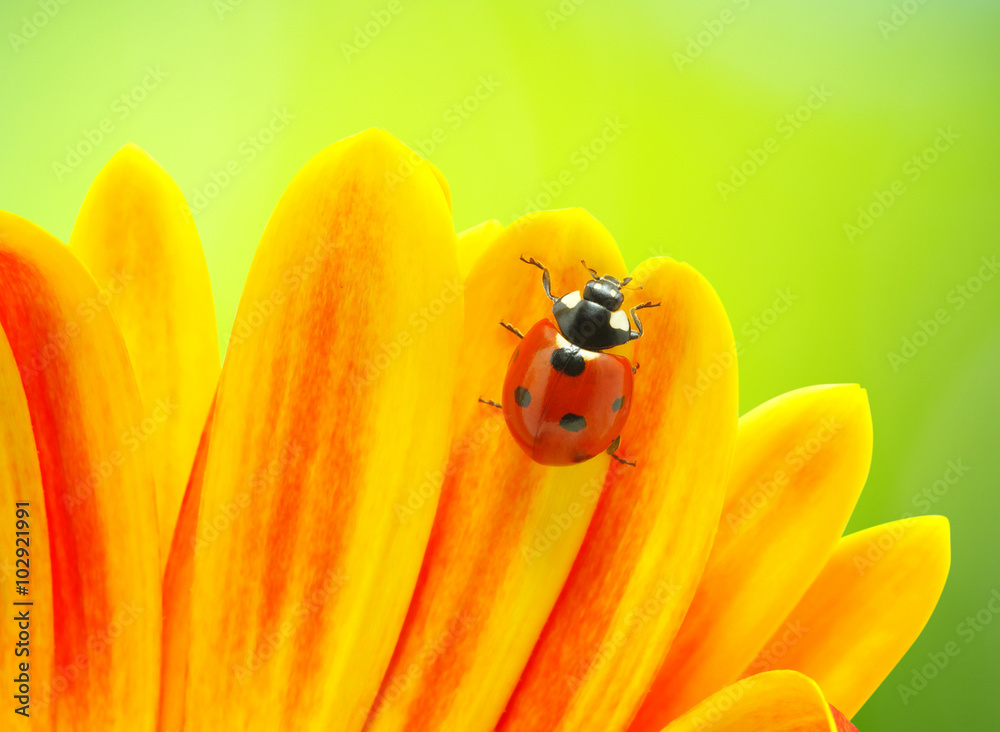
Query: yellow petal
801	462
507	529
864	610
136	235
652	530
96	511
776	701
473	243
333	405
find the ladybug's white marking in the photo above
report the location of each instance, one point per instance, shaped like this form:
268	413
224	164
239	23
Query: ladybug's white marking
563	343
571	299
619	321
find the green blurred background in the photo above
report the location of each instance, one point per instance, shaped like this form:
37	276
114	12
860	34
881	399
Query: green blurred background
742	136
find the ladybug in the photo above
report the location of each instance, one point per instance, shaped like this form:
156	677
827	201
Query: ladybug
564	399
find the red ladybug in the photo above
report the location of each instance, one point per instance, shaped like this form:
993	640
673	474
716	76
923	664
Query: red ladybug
564	400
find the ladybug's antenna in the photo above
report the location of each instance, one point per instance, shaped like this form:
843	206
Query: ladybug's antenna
593	273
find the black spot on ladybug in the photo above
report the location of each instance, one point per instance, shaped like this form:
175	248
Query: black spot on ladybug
568	360
572	422
582	458
617	404
522	396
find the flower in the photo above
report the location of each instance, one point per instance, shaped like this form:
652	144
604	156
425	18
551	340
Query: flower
360	543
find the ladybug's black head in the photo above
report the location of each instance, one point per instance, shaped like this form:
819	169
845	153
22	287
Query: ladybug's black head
594	321
606	291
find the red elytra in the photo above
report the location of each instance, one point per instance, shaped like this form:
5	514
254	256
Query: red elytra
563	404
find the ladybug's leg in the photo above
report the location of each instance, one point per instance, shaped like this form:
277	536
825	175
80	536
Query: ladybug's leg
546	281
614	446
490	402
635	367
512	329
638	324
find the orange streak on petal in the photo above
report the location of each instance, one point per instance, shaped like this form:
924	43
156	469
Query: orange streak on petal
136	235
843	723
334	404
99	496
21	483
507	529
650	536
801	461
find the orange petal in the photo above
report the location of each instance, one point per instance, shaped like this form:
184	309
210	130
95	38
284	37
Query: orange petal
651	533
22	498
97	500
507	529
864	610
136	235
473	243
801	462
177	582
333	406
776	701
843	723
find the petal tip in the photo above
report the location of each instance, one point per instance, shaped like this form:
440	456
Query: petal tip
571	215
130	148
377	142
934	527
131	154
131	165
939	529
854	394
